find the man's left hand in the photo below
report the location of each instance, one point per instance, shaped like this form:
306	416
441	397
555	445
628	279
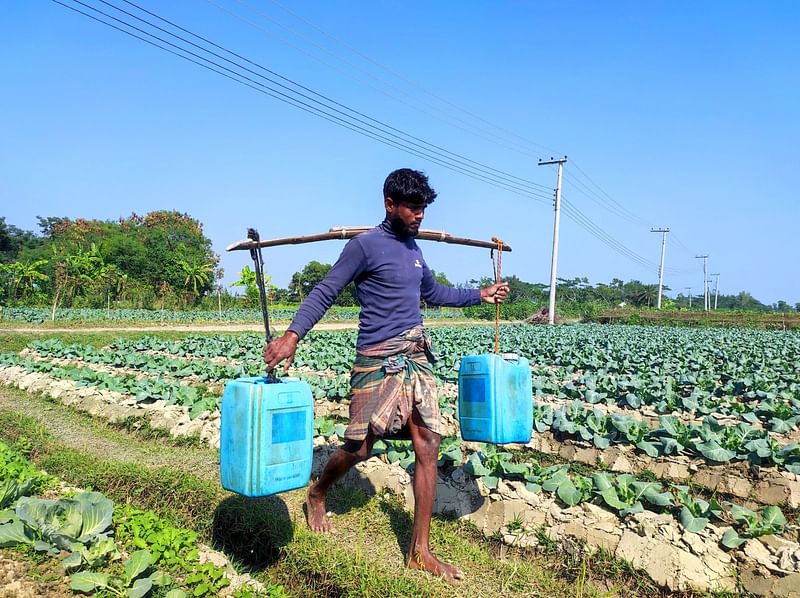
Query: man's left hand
495	293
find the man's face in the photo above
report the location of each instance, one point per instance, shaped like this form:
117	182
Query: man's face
406	218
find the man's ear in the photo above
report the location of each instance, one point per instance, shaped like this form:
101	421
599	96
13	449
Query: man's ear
388	204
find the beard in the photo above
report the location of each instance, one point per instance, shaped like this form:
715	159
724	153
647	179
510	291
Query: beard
401	229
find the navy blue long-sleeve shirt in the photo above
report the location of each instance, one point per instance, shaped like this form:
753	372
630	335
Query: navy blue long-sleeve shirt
390	276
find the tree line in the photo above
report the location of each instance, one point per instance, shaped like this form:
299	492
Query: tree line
164	259
137	261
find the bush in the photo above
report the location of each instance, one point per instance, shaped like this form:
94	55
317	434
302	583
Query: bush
508	311
591	312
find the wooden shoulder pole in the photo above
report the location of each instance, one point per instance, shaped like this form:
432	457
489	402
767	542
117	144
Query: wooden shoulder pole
342	232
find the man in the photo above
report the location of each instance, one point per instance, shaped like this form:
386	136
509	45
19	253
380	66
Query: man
393	388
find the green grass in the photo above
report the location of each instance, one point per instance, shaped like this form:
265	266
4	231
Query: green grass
268	536
142	430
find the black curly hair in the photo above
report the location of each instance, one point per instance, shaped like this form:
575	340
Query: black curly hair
408	186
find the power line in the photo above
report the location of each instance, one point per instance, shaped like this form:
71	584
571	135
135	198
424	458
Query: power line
586	223
446	117
681	245
309	104
381	126
597	194
581	188
411	82
605	199
336	113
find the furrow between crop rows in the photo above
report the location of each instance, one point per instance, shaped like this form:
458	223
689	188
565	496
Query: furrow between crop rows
768	486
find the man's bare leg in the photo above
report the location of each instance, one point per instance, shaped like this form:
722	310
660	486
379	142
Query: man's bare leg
339	464
426	449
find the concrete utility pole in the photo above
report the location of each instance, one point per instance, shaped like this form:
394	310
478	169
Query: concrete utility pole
705	280
554	263
663	232
716	290
690	296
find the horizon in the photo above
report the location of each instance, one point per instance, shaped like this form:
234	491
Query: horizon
666	121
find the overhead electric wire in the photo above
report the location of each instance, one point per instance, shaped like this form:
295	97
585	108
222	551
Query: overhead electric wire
586	223
406	80
622	209
581	188
373	133
446	118
602	198
442	152
682	245
513	184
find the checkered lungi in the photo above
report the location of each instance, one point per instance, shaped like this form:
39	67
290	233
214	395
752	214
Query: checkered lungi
388	381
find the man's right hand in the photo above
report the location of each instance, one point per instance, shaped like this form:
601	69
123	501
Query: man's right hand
281	349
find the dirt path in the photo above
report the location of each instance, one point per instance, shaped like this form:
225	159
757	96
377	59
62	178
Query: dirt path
171	327
79	432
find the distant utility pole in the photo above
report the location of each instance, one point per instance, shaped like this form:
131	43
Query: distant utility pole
663	232
716	290
690	296
554	263
705	280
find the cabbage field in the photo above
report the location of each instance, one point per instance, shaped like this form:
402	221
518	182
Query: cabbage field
684	437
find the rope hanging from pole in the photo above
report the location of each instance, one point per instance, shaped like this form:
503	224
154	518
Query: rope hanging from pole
497	261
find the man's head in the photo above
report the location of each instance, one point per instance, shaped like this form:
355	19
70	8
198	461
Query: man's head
406	194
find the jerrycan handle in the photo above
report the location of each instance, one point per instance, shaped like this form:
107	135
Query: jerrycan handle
266	379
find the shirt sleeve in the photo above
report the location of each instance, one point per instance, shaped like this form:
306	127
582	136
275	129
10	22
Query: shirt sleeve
435	293
350	264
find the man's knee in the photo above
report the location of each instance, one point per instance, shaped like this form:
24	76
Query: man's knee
359	449
427	443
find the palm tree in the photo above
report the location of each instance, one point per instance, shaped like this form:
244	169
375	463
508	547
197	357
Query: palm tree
197	274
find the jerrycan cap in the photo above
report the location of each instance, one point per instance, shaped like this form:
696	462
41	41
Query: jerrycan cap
510	356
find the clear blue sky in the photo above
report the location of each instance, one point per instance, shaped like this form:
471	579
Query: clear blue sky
672	114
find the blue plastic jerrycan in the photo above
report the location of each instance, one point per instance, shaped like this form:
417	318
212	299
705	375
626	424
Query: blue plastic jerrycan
495	398
266	436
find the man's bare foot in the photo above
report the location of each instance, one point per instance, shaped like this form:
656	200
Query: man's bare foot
315	512
425	561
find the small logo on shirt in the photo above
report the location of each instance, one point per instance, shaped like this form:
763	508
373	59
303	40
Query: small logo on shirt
417	264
